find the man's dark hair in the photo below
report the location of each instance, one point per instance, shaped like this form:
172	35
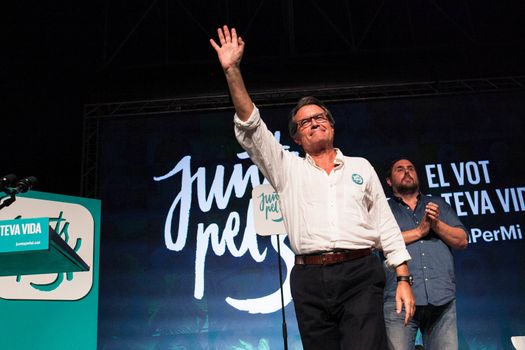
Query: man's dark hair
307	100
391	166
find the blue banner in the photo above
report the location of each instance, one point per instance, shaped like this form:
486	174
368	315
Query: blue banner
182	265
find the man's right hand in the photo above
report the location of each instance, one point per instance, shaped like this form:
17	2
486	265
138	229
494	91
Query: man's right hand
424	226
230	54
230	50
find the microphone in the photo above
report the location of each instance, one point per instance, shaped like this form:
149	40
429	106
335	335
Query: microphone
21	186
25	184
7	181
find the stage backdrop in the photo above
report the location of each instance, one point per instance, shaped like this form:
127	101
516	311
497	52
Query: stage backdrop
181	264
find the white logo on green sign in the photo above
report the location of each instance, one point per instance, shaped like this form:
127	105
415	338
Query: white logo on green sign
62	229
357	179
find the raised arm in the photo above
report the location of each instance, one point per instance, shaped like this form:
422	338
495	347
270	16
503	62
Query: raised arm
230	53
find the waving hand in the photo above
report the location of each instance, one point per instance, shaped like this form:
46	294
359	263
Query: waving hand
230	49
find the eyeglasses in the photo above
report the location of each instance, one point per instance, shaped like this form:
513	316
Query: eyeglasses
307	122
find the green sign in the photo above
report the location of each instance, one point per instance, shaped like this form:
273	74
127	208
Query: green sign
24	235
52	311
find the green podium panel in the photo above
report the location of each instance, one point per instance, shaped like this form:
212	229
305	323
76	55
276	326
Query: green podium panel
47	253
49	256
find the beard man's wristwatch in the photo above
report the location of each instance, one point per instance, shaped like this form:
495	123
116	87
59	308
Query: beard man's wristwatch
408	279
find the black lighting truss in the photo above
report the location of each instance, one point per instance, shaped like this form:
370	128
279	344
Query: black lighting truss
95	114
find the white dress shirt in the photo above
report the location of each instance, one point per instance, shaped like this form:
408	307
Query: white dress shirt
346	209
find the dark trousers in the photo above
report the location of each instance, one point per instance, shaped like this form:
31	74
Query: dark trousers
340	306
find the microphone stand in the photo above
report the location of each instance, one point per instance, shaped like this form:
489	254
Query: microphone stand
8	201
284	328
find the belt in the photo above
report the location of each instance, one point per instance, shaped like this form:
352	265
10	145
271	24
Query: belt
330	258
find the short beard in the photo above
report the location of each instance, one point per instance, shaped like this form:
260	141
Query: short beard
408	189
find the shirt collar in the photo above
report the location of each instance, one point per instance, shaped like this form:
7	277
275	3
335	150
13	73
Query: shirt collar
400	200
338	161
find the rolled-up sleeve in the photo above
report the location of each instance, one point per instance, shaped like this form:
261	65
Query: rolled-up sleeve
262	147
253	121
392	243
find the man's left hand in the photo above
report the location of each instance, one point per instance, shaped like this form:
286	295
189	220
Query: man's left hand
405	299
432	211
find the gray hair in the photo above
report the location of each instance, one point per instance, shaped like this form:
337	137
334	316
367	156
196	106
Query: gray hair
307	100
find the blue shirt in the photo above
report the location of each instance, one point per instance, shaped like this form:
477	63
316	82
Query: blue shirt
432	264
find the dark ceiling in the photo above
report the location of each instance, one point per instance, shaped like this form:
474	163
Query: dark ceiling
114	48
60	55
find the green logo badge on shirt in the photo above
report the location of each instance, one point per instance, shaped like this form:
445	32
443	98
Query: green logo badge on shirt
357	179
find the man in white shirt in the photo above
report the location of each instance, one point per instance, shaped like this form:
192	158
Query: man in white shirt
335	213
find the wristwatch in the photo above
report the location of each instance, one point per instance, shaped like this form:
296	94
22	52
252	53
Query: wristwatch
408	279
